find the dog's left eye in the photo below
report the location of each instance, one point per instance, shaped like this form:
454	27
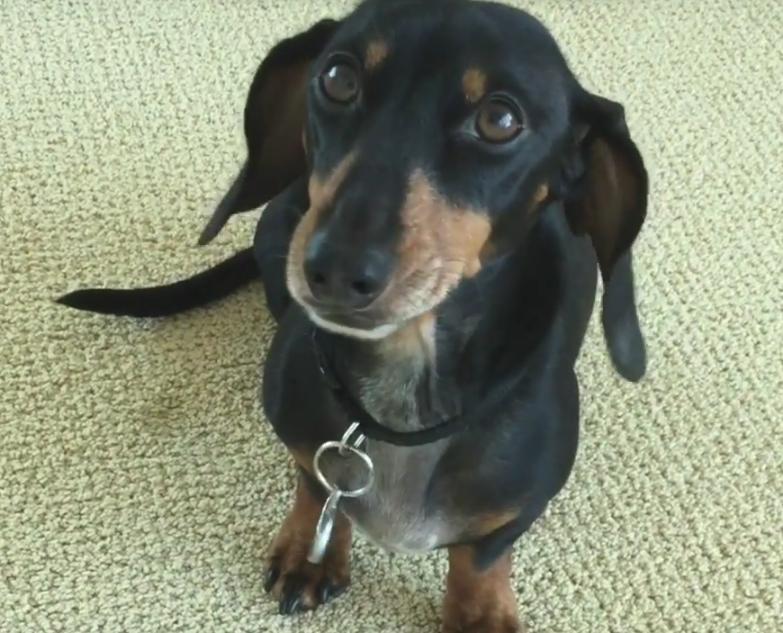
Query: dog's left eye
498	121
340	83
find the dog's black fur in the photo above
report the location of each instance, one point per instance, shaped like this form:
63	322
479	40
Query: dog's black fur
385	178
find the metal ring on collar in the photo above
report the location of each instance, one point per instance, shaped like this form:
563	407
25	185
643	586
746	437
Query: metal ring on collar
342	449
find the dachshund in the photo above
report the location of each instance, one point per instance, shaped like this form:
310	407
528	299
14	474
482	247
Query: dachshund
441	196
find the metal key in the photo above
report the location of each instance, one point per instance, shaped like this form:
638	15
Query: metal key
325	525
323	530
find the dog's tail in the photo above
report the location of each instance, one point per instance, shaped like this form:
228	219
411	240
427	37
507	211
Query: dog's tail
157	301
621	322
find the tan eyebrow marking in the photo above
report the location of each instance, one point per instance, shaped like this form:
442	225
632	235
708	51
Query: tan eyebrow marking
474	84
377	52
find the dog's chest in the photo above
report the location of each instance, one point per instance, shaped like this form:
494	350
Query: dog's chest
396	513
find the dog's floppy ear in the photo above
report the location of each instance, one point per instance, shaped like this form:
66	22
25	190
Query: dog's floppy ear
607	187
274	120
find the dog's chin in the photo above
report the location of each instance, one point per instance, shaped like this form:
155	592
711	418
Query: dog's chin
370	332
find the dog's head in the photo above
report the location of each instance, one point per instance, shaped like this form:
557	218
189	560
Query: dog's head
431	133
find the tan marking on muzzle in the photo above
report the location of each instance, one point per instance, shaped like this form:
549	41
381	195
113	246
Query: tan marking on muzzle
321	193
377	52
474	85
438	232
441	244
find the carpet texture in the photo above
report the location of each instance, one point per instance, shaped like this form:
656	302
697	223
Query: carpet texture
139	484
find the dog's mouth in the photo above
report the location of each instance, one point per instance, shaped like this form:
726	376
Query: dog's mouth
356	326
407	298
372	322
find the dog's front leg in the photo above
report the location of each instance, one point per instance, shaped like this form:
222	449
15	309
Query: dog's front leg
297	584
479	601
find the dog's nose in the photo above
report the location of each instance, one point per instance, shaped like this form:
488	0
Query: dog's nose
346	277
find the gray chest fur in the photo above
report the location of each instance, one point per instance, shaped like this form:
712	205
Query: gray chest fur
395	513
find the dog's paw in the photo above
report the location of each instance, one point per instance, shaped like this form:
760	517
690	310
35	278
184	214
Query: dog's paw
482	612
484	623
479	600
299	585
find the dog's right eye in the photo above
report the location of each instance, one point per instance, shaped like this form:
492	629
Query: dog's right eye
499	121
340	83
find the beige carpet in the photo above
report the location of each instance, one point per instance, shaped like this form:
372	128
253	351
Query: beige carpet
139	486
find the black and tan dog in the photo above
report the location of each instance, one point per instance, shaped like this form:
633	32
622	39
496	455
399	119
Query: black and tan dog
443	194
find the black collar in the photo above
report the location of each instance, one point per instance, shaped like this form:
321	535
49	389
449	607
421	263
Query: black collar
368	425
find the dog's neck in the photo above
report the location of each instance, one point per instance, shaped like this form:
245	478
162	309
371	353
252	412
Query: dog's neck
397	377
